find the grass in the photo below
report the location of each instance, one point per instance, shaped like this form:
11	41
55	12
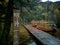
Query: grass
58	33
23	33
48	27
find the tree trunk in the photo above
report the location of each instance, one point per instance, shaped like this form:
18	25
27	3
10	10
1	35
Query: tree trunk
16	19
6	30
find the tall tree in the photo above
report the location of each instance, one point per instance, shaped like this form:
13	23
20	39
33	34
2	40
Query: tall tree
6	30
57	13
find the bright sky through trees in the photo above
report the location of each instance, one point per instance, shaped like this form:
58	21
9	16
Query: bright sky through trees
50	0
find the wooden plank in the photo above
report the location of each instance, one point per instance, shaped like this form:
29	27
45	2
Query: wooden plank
43	37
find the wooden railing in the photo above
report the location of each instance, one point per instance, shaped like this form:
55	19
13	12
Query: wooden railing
43	37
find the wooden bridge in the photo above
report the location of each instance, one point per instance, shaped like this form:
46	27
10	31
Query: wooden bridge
43	37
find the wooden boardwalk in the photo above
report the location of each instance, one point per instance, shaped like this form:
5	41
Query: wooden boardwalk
43	37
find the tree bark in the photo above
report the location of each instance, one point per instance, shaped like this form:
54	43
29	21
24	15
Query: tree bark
6	30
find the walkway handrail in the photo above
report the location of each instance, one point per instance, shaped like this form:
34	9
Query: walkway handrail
42	36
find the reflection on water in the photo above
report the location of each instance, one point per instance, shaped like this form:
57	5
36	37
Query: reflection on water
33	43
25	38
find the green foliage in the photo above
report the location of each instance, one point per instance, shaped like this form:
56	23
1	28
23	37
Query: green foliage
48	9
57	13
24	3
37	11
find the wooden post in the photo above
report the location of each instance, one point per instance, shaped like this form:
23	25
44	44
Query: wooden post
16	26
